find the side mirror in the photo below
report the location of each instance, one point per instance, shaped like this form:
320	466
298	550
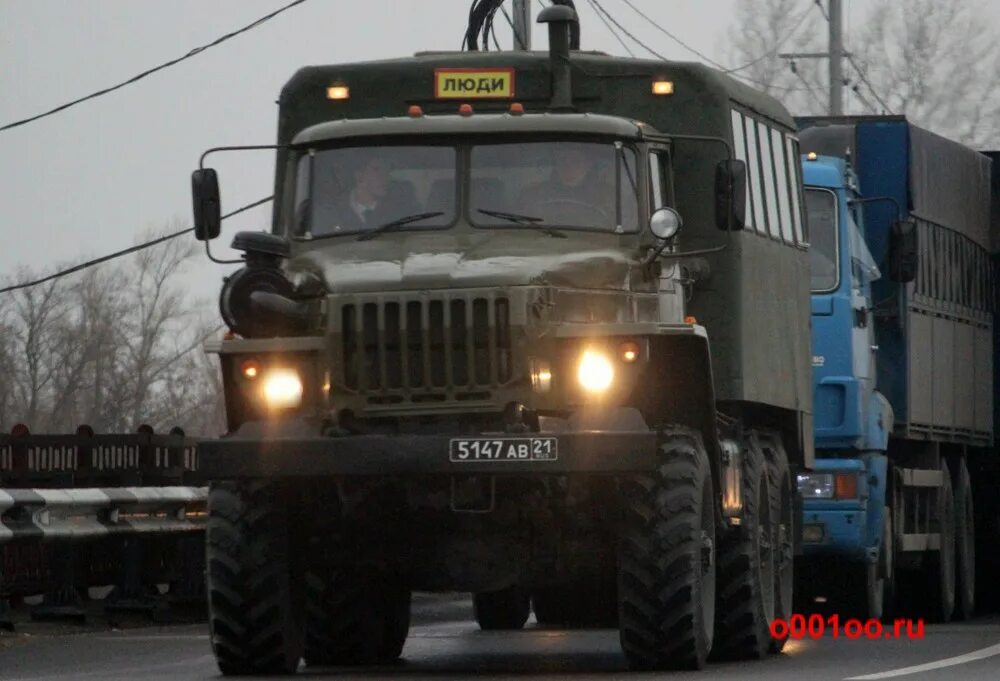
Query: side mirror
207	207
731	195
664	223
903	256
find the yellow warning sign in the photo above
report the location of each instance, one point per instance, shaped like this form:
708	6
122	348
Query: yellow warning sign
473	83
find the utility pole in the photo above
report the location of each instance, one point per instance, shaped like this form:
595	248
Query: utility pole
835	54
836	49
522	25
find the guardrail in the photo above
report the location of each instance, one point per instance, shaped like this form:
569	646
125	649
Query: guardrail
88	510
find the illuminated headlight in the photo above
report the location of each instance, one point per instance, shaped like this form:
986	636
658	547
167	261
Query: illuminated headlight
816	485
595	373
282	389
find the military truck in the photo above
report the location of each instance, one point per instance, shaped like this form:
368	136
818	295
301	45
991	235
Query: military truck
481	351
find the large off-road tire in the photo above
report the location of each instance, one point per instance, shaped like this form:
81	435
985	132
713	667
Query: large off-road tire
939	566
355	617
502	610
255	613
666	565
356	614
746	599
965	544
783	512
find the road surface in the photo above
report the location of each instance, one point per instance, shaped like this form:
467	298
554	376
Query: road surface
445	643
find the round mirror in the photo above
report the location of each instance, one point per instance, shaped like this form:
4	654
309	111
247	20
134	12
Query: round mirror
665	223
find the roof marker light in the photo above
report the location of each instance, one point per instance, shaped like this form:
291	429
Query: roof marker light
517	109
663	87
812	156
338	92
465	109
415	111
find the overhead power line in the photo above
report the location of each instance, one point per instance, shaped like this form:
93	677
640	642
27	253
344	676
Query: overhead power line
864	79
656	54
611	29
118	254
149	72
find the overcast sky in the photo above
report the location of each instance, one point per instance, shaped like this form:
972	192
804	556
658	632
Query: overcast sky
89	180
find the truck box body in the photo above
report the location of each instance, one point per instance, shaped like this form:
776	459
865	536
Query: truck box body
935	336
755	294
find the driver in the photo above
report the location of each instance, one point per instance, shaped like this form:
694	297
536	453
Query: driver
576	183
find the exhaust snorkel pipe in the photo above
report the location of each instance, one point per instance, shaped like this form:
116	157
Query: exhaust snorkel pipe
560	18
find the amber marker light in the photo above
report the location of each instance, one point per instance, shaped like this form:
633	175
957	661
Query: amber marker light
517	109
691	320
629	351
812	156
250	369
415	111
338	92
846	486
663	87
465	110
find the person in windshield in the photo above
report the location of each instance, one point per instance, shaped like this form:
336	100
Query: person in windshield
577	182
373	199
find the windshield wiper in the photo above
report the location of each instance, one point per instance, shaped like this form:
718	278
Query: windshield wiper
399	222
526	220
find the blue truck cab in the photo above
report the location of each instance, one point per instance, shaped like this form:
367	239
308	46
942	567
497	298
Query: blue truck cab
900	231
844	496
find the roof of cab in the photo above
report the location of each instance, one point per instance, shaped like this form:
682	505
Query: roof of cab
475	124
824	171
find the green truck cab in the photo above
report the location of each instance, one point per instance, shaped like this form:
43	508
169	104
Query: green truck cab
532	326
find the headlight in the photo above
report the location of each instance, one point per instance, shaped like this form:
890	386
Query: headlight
595	373
816	485
842	485
282	389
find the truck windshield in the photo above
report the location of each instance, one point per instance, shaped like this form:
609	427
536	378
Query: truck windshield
572	185
821	213
357	189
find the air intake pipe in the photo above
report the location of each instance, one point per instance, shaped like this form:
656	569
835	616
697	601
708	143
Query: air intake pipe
560	19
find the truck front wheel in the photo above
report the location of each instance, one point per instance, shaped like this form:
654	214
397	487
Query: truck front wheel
504	609
666	565
254	612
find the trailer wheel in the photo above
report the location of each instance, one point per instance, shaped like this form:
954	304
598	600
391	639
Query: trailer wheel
254	612
746	569
502	610
588	604
965	544
782	510
939	566
666	563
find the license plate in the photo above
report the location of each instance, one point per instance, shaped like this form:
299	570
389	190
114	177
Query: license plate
504	449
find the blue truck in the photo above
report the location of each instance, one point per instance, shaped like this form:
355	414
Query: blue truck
904	286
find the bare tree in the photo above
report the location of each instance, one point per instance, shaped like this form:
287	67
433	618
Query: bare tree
113	347
762	30
932	60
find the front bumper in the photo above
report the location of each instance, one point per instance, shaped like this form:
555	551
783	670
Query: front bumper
844	531
399	455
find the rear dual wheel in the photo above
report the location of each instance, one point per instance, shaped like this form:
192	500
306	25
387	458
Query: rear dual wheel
747	574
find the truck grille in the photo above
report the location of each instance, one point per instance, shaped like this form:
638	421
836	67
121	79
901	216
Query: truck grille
428	349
